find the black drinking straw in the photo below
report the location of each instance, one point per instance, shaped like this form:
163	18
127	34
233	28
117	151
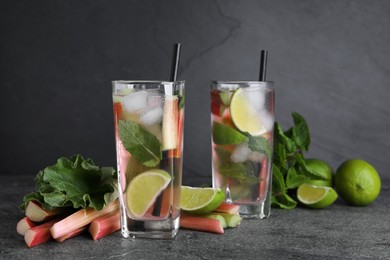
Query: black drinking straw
164	163
175	61
263	65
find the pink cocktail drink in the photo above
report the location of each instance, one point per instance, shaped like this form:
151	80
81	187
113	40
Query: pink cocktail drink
149	120
242	118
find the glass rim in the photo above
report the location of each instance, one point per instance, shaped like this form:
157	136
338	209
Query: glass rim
241	82
146	81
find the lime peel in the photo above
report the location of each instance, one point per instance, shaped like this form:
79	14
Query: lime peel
316	197
198	200
143	190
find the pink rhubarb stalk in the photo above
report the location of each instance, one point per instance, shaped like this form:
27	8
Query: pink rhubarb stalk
36	213
105	225
39	234
80	219
201	224
227	208
71	234
23	225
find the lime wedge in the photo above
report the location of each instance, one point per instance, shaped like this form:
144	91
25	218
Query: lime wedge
316	197
200	200
244	115
225	135
143	190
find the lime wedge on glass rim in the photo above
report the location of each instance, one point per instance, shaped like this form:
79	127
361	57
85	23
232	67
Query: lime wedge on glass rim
143	190
316	197
198	200
244	115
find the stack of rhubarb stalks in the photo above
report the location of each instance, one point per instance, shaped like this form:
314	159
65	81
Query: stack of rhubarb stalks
41	225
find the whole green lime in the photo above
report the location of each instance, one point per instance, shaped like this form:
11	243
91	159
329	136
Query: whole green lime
357	182
320	168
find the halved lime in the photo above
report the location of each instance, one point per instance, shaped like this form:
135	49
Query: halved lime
244	115
316	197
200	200
143	190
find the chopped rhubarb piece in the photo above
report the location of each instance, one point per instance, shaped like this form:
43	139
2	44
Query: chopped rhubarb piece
201	224
176	153
39	234
231	220
170	123
36	213
216	216
228	208
71	234
105	225
80	219
23	225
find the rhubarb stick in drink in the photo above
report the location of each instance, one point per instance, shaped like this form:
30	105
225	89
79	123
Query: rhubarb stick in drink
242	118
149	118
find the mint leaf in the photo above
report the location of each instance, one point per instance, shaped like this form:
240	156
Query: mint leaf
278	185
259	144
243	172
223	154
74	182
225	135
284	201
144	146
281	137
300	132
293	180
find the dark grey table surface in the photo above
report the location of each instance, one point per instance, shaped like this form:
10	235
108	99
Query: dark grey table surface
340	231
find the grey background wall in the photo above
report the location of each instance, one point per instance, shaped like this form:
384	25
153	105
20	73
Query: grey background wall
330	61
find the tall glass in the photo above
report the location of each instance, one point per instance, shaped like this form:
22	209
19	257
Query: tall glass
242	119
149	120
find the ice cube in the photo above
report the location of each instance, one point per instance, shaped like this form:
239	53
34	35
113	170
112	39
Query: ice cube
155	100
151	116
255	98
256	157
135	101
240	153
267	119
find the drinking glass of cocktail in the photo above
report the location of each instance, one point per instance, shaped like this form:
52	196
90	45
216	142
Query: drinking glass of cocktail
242	115
149	118
149	121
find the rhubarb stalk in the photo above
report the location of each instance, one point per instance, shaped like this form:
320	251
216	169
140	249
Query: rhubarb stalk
228	208
71	234
23	225
105	225
80	219
201	224
36	213
39	234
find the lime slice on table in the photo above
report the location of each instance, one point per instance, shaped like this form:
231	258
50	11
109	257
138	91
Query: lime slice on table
316	197
244	115
200	200
143	190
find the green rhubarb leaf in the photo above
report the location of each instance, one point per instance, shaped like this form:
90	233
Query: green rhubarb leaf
74	182
144	146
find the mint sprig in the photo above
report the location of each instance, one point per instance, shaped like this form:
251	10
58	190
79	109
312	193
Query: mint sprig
143	145
289	167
